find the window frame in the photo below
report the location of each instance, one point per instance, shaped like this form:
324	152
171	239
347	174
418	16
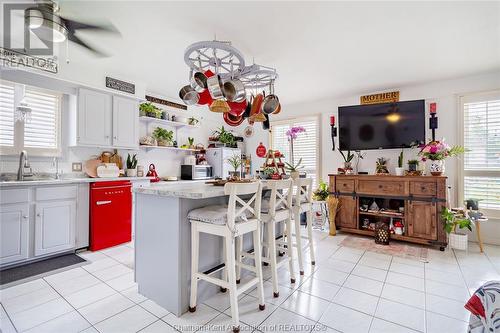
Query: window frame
491	213
290	121
19	126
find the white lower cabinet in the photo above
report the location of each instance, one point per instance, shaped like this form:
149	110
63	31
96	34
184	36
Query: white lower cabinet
54	226
14	232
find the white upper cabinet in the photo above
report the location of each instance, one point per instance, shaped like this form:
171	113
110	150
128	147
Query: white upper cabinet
94	118
105	120
125	122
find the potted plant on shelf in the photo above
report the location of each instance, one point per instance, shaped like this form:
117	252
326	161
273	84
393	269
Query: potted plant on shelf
131	165
190	142
294	169
149	110
321	193
437	152
163	137
347	161
223	136
193	121
268	172
412	165
235	162
452	221
381	166
400	170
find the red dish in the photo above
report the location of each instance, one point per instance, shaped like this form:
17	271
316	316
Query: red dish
205	98
231	119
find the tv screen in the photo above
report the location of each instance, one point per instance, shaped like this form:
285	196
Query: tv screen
377	126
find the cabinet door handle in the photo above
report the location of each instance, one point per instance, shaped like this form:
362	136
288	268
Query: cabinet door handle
25	217
114	137
39	215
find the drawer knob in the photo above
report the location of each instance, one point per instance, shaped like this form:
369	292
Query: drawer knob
423	188
380	186
25	217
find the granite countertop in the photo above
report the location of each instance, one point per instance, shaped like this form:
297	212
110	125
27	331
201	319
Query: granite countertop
183	190
73	180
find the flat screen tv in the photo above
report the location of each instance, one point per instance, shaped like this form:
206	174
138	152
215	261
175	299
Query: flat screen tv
381	126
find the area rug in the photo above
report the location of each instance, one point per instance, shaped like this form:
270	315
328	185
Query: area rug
393	249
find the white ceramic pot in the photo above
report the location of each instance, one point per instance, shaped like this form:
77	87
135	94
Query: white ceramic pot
437	167
400	171
131	172
294	175
458	241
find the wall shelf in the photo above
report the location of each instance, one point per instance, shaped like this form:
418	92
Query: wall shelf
176	124
148	148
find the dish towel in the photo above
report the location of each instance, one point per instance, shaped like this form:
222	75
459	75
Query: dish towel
484	306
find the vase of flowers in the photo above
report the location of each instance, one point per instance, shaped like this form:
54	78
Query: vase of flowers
437	152
292	135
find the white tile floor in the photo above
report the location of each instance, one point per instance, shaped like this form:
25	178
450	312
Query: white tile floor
347	291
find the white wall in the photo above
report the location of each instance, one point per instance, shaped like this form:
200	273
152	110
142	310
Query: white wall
445	93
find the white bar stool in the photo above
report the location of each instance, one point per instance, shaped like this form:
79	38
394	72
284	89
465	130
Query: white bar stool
302	202
241	216
275	209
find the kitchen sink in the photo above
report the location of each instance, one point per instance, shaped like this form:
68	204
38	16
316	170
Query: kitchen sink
13	178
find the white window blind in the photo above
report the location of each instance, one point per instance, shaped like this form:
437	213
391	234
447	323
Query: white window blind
41	131
6	114
40	135
305	146
481	135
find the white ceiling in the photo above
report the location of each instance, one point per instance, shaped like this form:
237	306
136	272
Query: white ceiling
321	49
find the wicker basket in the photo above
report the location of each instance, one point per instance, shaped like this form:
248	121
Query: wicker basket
382	233
458	241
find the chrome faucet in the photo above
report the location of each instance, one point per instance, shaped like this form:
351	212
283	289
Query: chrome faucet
55	163
23	165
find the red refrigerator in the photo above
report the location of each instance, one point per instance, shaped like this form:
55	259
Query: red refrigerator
110	214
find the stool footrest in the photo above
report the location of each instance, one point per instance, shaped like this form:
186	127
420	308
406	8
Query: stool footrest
216	281
247	267
244	287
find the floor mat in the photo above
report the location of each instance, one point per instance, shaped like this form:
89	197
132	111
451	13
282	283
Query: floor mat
22	272
394	248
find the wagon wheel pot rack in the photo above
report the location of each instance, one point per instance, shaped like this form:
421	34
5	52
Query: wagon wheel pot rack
219	78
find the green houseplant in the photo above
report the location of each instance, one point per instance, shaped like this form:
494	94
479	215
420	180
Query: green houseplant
400	170
381	166
163	136
321	193
347	161
235	162
131	165
268	172
149	110
412	165
294	169
223	136
452	222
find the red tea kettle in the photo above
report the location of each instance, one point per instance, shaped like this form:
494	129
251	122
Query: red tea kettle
152	173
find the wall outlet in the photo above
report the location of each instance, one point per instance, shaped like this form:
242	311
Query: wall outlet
76	166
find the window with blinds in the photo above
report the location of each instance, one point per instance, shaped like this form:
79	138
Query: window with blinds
481	136
306	146
39	134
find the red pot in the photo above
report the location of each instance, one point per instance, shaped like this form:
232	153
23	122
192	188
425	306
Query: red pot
231	119
237	108
205	98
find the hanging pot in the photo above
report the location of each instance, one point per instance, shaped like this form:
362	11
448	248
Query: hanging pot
234	90
237	108
232	120
278	109
271	101
265	123
205	98
214	85
255	114
199	82
219	106
189	95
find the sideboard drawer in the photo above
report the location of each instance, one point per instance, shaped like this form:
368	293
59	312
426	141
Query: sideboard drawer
345	185
381	187
423	189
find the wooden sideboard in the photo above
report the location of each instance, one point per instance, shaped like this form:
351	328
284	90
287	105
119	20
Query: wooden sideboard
421	199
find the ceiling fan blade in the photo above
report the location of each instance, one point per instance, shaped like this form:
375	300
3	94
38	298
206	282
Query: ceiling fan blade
80	42
75	25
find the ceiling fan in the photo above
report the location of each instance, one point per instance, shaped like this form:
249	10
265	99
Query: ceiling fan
44	20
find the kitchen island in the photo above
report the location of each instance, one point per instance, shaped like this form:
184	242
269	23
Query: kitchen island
163	242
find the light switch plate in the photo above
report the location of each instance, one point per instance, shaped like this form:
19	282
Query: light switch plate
76	166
